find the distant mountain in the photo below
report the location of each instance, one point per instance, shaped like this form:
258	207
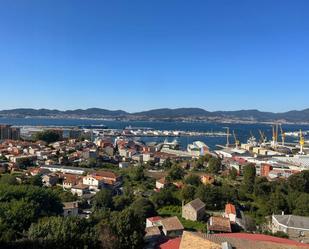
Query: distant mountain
179	112
166	114
255	114
96	112
90	112
30	112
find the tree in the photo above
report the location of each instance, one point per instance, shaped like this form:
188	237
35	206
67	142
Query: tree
211	196
262	187
164	198
302	205
176	173
103	199
299	182
137	173
278	202
214	165
249	173
18	215
120	202
129	229
63	232
188	192
193	180
8	179
167	164
36	180
64	196
47	136
143	208
233	173
107	238
46	201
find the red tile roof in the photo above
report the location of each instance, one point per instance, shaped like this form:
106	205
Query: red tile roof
230	209
155	218
219	224
171	244
261	237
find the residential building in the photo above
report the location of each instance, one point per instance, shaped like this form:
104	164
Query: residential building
152	234
218	224
50	180
70	180
94	182
70	208
9	132
123	165
79	190
161	183
296	227
193	240
65	169
101	179
172	243
172	227
153	221
230	212
194	210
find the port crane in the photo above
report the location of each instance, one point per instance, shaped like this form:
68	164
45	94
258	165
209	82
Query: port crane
263	138
227	136
301	142
275	135
236	140
282	135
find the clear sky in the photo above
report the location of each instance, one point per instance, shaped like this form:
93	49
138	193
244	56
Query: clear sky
144	54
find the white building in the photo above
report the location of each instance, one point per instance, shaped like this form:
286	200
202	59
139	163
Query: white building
79	189
64	169
70	208
123	165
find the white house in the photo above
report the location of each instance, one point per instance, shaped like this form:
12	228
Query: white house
123	165
161	183
230	212
79	189
94	182
70	208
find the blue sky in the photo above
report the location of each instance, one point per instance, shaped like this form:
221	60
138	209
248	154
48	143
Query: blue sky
138	55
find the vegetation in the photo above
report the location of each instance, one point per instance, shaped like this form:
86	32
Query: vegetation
48	136
30	214
168	211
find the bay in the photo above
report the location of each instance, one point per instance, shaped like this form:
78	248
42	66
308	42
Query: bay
242	130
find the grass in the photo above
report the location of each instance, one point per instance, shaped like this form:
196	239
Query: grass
188	224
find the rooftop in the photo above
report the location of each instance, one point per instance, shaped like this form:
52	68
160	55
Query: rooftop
293	221
196	204
152	231
193	241
230	209
171	244
219	224
69	205
172	223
